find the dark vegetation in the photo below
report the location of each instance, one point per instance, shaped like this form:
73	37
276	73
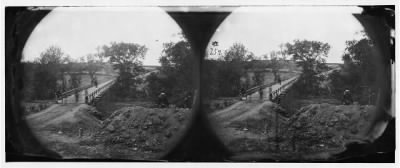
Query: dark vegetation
226	75
357	74
310	121
56	71
310	56
126	59
176	74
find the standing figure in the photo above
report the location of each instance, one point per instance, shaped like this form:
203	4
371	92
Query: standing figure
270	93
163	100
260	91
76	95
86	96
242	93
347	98
95	82
58	95
279	80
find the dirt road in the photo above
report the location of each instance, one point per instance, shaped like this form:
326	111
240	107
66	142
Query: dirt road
244	109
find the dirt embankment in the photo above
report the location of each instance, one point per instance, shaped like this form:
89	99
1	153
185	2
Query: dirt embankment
326	126
143	133
315	131
128	133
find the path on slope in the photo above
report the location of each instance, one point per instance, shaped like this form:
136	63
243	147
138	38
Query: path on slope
59	111
252	105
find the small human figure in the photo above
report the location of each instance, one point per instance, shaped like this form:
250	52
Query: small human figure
279	80
162	100
270	93
242	93
86	96
95	82
58	95
76	95
260	91
347	98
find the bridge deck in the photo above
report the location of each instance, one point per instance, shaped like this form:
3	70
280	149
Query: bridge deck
81	94
275	87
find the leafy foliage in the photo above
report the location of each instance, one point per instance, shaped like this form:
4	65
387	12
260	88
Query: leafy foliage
238	53
127	59
275	64
222	77
175	76
48	71
358	72
310	56
93	65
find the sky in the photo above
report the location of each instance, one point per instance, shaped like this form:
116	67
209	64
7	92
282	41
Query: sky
79	31
262	29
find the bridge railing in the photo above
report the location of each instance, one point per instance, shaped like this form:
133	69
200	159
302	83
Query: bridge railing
256	88
90	97
276	93
71	92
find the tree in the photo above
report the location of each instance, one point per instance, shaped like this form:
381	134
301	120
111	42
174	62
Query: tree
93	65
50	64
238	52
310	56
360	53
275	64
283	52
234	65
358	72
175	75
52	56
127	59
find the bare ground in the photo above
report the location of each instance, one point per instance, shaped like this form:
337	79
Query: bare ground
255	130
128	133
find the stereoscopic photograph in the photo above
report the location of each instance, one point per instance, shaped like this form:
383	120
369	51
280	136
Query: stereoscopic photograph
98	86
210	84
292	82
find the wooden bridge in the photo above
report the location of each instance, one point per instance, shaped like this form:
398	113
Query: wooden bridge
87	94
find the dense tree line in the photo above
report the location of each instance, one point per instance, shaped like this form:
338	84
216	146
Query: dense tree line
358	73
310	56
126	59
221	77
55	71
176	74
